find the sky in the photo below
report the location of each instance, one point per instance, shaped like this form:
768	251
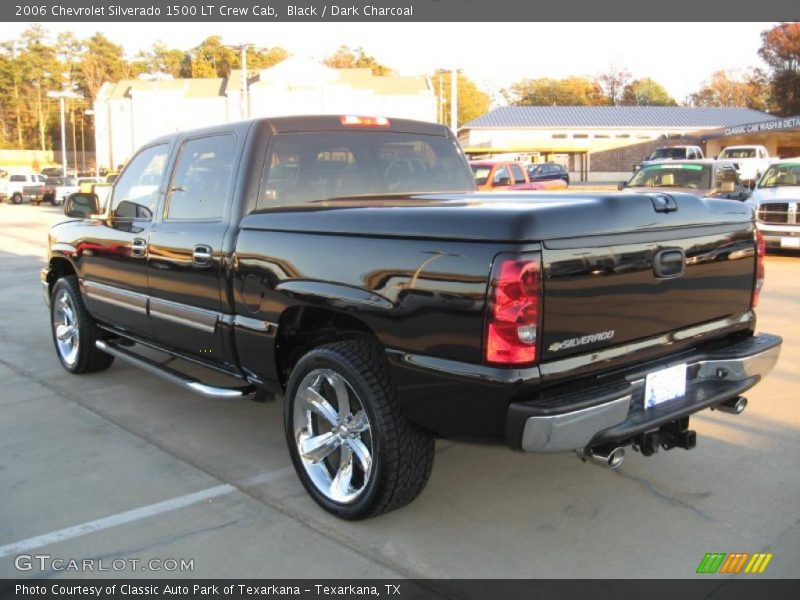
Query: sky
680	56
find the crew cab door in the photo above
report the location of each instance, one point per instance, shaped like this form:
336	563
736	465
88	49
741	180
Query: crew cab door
113	251
185	257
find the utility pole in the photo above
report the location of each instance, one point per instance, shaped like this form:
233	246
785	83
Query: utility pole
245	100
63	137
65	93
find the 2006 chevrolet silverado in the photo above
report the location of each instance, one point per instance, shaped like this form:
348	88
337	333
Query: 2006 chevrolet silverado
348	264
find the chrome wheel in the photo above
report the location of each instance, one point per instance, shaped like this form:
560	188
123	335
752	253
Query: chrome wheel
65	328
333	436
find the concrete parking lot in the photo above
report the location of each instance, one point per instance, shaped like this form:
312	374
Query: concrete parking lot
122	465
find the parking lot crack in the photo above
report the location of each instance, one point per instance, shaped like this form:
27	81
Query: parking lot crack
651	488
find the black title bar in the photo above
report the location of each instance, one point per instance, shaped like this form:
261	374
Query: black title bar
243	11
744	588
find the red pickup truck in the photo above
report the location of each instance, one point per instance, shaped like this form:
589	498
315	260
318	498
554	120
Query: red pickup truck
503	176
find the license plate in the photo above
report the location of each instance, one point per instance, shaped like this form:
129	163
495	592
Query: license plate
664	385
790	242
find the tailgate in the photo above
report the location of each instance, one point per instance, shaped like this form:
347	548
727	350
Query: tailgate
609	290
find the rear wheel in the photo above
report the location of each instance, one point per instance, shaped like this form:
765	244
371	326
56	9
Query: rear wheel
351	445
74	331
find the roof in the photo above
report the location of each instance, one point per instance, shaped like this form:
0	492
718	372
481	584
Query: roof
616	116
190	88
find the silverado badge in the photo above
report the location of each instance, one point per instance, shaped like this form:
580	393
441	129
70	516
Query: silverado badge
580	341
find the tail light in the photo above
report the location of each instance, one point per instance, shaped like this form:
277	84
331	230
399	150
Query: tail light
356	121
515	302
761	250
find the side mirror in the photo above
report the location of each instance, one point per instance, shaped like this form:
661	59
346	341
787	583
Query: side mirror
752	184
82	206
621	185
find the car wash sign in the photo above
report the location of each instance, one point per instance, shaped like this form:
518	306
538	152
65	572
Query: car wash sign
765	126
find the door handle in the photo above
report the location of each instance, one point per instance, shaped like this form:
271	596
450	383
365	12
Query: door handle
202	255
138	247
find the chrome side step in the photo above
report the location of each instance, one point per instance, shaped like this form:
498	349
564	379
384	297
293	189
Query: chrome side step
185	381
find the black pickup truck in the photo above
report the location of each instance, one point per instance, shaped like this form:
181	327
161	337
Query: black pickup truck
348	265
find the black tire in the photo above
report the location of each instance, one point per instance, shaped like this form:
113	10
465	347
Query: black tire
87	358
16	198
401	454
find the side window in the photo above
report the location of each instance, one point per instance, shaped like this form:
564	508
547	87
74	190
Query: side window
499	174
201	181
726	175
519	177
136	193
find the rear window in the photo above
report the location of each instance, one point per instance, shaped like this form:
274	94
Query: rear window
308	167
673	175
661	153
738	153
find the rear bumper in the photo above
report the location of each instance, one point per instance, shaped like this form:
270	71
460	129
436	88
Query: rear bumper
615	411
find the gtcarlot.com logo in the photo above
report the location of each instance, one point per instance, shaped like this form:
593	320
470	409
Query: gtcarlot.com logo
736	562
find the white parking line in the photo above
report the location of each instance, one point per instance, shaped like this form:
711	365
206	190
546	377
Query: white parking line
136	514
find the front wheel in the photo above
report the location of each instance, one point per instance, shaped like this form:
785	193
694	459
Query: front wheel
16	199
74	331
350	443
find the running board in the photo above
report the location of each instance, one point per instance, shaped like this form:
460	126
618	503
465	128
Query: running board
185	381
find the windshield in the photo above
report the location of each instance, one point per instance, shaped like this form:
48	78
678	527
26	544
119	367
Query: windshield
673	175
480	173
667	153
785	174
738	153
314	166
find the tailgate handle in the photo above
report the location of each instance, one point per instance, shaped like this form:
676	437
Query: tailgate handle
663	203
669	263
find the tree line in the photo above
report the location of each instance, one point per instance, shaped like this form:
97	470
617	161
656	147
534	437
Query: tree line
776	89
35	64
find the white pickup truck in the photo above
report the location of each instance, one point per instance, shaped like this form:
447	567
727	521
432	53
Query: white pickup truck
23	186
751	161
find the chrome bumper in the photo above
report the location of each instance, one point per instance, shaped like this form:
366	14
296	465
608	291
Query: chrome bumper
575	430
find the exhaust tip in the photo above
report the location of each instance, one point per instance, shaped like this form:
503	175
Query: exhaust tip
616	458
734	406
612	458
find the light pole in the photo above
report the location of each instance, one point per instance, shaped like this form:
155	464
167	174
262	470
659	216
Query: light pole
62	95
454	101
245	100
86	113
